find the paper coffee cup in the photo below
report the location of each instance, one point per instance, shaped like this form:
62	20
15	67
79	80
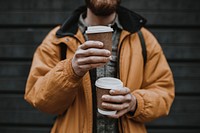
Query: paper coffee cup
103	86
101	33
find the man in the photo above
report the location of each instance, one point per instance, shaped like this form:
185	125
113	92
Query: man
66	87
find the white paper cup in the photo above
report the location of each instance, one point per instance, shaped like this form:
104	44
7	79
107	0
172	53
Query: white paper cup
103	86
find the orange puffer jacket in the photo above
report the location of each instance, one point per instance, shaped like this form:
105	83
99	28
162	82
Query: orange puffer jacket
53	87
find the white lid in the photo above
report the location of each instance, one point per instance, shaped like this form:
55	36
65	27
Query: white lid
98	29
107	112
109	83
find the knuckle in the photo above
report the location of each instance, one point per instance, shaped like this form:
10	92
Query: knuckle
128	97
104	105
79	67
127	90
90	59
89	43
90	52
121	98
77	55
86	43
126	105
80	46
105	59
121	107
78	61
76	64
112	106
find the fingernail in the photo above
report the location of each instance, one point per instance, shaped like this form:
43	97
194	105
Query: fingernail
112	91
103	97
103	104
100	44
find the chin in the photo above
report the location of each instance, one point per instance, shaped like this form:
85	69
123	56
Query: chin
103	7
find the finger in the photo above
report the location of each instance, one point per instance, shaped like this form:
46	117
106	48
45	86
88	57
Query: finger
114	106
91	44
119	114
116	98
120	91
92	52
87	67
93	60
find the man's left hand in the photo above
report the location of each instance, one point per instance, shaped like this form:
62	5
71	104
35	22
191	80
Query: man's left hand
121	100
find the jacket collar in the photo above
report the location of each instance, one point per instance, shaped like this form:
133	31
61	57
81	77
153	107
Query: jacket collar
129	20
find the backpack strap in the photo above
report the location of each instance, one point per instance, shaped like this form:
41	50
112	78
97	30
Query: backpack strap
63	49
143	45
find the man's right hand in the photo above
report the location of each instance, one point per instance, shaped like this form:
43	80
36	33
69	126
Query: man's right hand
89	55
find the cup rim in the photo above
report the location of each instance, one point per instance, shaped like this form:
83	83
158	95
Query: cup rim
101	83
98	29
105	112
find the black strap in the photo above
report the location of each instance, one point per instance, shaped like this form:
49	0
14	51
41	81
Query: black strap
94	101
63	49
143	45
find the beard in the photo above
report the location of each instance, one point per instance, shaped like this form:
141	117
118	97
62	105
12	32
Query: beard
102	7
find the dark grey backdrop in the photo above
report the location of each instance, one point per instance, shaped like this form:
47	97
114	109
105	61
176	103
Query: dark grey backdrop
24	24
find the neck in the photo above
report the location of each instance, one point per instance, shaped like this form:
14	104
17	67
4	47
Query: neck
92	20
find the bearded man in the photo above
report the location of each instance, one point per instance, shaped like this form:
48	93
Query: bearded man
65	86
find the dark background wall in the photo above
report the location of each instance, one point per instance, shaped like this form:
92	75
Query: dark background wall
24	24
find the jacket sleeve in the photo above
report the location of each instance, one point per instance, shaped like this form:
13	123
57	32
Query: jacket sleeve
52	84
157	93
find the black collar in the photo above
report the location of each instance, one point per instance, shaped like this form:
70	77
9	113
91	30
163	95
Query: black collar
129	20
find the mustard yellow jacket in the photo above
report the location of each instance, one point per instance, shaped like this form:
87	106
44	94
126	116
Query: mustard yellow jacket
53	87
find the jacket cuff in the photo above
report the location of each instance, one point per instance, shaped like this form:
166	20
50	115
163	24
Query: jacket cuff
140	104
130	113
69	72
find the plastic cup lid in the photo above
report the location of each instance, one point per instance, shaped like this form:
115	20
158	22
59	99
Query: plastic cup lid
109	83
98	29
